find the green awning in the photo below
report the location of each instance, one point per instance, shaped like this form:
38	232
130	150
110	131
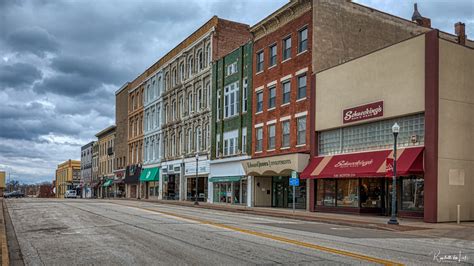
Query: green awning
108	183
225	179
150	174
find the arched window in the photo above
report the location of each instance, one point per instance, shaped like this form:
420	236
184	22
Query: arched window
190	102
180	106
175	77
152	122
190	140
198	139
200	60
190	66
153	88
173	145
132	106
181	71
173	107
167	80
208	54
159	87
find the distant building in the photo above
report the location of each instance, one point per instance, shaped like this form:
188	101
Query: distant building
86	169
95	170
68	175
2	182
106	141
121	137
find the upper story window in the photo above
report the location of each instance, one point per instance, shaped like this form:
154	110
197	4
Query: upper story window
167	80
199	99
190	66
173	110
231	140
244	140
218	104
231	69
286	89
273	55
198	139
181	72
303	40
271	137
175	77
218	143
285	130
301	133
259	139
259	61
231	100
200	60
287	48
190	102
271	97
153	88
302	86
208	54
158	114
159	86
190	139
259	101
181	106
245	95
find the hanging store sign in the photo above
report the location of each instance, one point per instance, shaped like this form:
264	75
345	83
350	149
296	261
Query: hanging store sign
363	112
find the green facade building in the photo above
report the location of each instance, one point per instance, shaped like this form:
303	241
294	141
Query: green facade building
231	130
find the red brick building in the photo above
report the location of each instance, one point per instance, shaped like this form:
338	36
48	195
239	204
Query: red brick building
281	103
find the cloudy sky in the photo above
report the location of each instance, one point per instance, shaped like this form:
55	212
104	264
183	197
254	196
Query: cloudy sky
62	61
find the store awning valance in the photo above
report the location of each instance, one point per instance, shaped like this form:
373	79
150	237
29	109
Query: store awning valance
365	164
108	183
225	179
280	165
150	174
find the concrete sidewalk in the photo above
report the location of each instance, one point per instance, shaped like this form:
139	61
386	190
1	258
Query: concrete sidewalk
363	221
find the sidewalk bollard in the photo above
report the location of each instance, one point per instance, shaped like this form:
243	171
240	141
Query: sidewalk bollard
459	214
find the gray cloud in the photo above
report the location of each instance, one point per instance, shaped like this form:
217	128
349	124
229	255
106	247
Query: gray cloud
18	75
35	40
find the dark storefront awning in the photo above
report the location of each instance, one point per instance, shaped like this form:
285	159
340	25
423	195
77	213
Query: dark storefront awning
365	164
150	174
132	174
108	183
225	179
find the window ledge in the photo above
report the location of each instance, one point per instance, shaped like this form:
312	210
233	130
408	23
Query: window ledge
284	148
271	109
260	72
286	60
302	99
257	113
271	150
258	151
285	104
300	145
272	66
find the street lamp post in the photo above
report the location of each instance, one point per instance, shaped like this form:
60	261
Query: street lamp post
393	218
197	167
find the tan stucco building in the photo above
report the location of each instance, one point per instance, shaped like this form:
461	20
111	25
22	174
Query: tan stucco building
68	175
425	85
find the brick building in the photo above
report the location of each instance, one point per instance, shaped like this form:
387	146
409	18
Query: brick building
231	127
135	138
121	138
281	104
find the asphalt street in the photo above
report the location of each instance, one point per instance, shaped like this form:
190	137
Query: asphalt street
120	232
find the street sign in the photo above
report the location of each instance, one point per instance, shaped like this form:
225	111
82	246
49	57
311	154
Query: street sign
294	174
294	182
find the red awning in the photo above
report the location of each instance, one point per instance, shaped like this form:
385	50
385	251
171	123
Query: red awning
365	164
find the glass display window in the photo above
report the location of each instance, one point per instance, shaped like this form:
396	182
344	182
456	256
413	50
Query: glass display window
348	193
412	193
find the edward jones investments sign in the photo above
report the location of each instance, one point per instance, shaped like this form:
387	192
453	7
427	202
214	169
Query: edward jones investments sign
363	112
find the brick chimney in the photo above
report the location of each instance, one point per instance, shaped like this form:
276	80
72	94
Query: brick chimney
460	30
419	19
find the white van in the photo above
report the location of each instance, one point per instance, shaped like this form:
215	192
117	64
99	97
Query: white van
70	194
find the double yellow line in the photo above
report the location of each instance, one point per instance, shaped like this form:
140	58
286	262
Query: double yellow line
277	238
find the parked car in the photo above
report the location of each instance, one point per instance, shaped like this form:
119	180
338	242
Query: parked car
70	194
14	194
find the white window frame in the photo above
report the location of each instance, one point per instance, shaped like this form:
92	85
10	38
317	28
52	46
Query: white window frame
231	108
244	140
259	138
245	94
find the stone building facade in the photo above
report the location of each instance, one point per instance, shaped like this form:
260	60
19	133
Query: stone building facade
186	105
231	127
153	143
106	158
95	170
86	169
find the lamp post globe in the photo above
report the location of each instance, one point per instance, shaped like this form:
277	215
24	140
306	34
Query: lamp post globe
393	217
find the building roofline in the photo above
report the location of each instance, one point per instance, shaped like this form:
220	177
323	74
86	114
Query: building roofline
125	85
87	145
275	13
105	131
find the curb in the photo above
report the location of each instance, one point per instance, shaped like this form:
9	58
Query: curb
3	236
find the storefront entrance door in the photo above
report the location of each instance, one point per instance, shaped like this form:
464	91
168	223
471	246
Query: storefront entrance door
280	192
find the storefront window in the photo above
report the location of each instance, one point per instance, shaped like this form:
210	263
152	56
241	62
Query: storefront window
326	192
413	193
348	193
371	192
372	136
230	192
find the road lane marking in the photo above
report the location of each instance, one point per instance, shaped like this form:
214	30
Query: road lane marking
273	237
